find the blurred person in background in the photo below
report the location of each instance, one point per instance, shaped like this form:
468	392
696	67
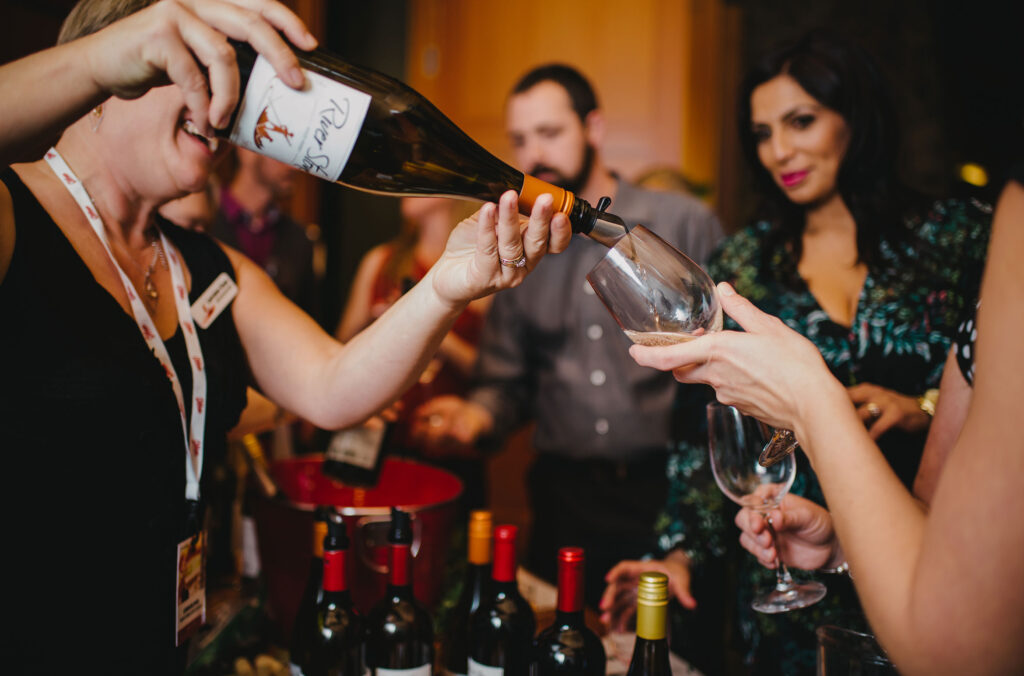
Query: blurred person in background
383	275
873	274
551	353
113	396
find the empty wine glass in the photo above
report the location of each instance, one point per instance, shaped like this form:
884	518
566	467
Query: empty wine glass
659	296
733	443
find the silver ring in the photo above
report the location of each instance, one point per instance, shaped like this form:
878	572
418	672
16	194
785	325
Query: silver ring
514	262
873	409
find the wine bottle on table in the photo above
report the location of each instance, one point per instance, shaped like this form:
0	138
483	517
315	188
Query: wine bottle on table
304	628
501	630
369	131
650	654
475	585
400	633
338	640
568	646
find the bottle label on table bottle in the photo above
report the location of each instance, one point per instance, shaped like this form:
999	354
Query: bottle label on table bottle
477	669
313	129
415	671
357	446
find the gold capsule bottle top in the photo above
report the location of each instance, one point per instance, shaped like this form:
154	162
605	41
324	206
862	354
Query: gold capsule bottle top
651	606
481	524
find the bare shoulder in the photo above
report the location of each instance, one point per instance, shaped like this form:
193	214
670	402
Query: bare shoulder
6	230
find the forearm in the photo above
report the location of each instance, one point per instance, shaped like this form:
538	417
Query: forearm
880	525
385	359
43	94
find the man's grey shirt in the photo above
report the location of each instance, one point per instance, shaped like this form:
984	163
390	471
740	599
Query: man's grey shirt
550	351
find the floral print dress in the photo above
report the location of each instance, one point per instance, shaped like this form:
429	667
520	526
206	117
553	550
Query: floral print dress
906	317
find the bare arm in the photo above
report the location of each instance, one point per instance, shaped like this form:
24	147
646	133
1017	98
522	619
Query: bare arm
303	369
168	42
950	414
358	311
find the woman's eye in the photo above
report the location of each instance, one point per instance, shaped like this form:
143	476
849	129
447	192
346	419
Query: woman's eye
803	121
761	134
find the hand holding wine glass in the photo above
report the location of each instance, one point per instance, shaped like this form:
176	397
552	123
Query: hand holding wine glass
659	296
733	443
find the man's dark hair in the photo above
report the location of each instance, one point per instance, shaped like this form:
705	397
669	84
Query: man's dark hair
581	94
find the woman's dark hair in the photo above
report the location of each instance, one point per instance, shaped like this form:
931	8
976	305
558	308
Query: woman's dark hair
842	77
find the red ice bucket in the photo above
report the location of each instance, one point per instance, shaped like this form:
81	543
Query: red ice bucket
285	529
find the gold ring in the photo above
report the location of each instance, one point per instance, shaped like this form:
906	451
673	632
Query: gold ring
514	262
874	410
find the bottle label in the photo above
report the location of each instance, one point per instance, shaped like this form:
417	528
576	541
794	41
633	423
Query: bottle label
415	671
313	129
357	446
477	669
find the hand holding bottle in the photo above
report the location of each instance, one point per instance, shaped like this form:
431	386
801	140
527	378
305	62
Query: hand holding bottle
495	249
449	423
619	600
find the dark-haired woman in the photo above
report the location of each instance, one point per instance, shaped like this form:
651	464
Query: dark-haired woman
846	256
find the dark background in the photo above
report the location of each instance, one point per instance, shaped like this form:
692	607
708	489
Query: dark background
955	70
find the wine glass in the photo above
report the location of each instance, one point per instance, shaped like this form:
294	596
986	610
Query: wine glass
733	442
659	296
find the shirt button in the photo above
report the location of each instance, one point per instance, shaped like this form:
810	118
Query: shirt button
601	426
587	289
594	332
597	377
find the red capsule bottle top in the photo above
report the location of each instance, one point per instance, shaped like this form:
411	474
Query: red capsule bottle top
504	566
570	579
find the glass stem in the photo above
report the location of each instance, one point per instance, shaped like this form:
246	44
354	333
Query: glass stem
783	580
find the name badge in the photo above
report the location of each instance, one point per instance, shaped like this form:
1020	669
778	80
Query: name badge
190	606
213	301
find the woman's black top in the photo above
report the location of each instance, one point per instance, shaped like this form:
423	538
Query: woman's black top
94	502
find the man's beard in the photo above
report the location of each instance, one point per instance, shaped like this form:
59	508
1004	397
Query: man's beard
573	183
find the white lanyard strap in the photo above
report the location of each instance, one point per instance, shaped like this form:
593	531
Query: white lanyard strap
193	437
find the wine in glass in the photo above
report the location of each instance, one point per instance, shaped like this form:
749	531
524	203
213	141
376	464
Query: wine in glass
734	441
659	296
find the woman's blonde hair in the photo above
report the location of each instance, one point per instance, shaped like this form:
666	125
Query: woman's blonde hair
89	16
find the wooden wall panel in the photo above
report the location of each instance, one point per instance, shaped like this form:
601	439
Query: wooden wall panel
466	54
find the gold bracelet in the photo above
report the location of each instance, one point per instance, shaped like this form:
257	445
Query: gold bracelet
928	400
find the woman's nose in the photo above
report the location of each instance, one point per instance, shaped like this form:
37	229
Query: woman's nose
781	148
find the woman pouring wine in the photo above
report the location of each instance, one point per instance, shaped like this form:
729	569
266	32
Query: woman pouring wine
129	341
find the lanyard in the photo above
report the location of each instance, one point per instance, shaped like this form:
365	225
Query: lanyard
193	437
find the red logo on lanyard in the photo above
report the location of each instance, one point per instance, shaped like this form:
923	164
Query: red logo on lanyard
181	292
195	447
50	155
188	327
199	404
131	296
168	372
145	330
92	214
69	180
198	362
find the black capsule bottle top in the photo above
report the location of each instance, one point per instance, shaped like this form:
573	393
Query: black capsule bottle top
337	535
401	528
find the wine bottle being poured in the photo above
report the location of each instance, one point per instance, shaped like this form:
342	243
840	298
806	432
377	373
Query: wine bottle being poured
369	131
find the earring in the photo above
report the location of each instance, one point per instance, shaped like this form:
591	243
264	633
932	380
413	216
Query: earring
97	116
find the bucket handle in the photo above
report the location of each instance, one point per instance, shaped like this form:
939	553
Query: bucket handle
364	527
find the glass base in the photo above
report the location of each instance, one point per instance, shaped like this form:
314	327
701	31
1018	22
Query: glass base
782	599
